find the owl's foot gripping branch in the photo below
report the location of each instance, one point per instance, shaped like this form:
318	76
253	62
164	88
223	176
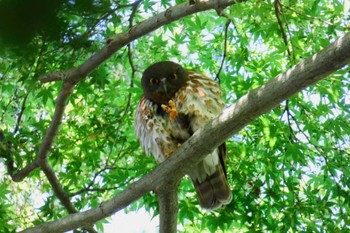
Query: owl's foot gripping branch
171	109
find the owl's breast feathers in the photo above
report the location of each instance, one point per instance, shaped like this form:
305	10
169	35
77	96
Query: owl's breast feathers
197	102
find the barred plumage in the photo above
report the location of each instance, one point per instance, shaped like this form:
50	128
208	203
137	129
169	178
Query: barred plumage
197	101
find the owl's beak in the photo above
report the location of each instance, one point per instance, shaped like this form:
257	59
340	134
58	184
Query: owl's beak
164	85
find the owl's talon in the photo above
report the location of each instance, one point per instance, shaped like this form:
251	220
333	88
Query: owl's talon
171	109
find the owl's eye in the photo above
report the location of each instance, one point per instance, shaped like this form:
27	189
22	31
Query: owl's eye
153	81
173	76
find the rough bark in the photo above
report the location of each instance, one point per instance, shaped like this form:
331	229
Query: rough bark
168	207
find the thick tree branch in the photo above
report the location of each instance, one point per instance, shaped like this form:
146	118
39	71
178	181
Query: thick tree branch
116	42
232	120
168	207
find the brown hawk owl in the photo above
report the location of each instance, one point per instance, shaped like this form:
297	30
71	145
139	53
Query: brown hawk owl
177	102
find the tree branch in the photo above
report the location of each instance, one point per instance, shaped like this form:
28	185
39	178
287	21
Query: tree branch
277	4
232	120
115	42
19	118
311	17
168	207
227	24
50	135
57	187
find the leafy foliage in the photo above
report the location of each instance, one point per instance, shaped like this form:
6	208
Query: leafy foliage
288	170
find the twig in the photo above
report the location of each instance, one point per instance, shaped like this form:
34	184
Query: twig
20	175
289	33
131	62
284	35
228	22
287	110
133	71
307	16
19	118
57	187
89	188
135	5
105	17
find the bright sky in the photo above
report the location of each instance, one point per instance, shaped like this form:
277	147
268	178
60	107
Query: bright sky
133	222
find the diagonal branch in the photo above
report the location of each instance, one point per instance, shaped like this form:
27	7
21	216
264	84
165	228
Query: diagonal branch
50	135
115	42
250	106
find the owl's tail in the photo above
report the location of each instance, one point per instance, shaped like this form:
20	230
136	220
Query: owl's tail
210	181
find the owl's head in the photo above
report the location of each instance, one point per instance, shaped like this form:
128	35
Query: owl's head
162	80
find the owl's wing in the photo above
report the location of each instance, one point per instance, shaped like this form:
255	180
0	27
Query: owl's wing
152	130
200	100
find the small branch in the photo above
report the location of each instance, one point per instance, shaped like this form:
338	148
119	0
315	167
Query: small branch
23	173
289	33
131	62
289	114
135	5
133	72
92	182
168	207
101	190
250	106
51	133
106	15
57	187
228	22
284	35
309	16
19	118
89	187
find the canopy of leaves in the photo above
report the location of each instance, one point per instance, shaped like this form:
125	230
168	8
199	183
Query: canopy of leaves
288	170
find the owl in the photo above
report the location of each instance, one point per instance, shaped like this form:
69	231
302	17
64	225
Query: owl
176	102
